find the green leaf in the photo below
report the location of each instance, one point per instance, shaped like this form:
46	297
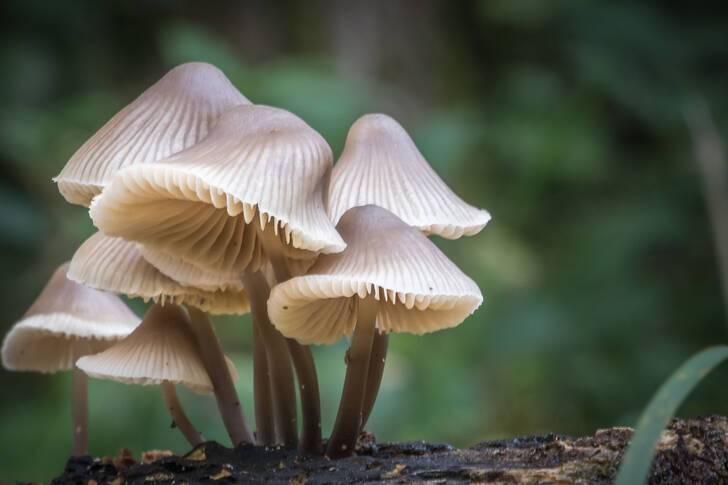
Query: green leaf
638	458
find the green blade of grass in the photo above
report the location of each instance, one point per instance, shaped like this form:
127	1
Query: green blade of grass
638	458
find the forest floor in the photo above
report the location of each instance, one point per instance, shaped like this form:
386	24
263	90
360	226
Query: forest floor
691	451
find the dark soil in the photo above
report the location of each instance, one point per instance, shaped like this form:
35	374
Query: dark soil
689	452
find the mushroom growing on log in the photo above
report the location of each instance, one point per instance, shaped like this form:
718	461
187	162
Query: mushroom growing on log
390	278
65	322
162	350
114	264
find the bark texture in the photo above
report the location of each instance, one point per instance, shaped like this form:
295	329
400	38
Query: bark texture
693	451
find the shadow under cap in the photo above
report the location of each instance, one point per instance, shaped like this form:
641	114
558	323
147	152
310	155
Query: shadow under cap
161	349
173	114
417	288
66	319
116	265
381	165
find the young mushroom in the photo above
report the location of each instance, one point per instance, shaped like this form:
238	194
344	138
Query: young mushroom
162	350
390	278
251	192
114	264
381	165
67	321
173	114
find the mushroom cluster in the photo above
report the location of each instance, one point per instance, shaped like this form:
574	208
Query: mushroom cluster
209	204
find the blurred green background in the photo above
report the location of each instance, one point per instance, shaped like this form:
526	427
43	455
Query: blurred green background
564	118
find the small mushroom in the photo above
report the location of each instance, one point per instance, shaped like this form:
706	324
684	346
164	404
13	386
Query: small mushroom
114	264
173	114
162	350
390	278
252	192
381	165
67	321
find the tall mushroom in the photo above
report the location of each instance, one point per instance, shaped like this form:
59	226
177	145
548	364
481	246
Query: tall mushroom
114	264
254	185
65	322
173	114
381	165
390	278
162	350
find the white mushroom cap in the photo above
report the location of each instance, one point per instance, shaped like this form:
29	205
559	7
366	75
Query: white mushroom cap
189	274
67	320
113	264
381	165
161	349
173	114
259	166
418	288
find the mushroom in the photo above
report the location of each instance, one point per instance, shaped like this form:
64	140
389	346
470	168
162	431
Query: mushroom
65	322
162	350
254	186
173	114
381	165
114	264
390	278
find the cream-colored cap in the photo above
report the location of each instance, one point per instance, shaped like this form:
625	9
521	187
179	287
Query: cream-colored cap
66	321
189	274
259	166
173	114
381	165
113	264
418	288
161	349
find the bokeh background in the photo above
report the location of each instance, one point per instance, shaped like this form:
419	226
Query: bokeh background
564	118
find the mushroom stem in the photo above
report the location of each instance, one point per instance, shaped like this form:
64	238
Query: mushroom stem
310	442
79	407
212	357
374	378
178	415
308	388
348	419
278	358
265	427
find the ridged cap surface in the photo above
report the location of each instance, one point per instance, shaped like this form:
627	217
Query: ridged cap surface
173	114
260	168
381	165
418	288
161	349
67	320
113	264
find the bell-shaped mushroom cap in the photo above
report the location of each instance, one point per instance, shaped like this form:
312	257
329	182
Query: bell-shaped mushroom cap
161	349
113	264
189	274
258	164
173	114
381	165
418	288
67	320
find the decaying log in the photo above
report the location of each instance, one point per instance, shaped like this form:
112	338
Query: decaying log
690	451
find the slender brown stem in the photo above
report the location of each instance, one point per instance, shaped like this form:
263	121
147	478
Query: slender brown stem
308	388
374	377
79	410
265	426
227	398
310	442
279	362
348	420
181	421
